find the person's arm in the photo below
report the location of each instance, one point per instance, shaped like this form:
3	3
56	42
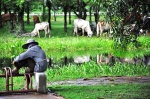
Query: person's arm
23	56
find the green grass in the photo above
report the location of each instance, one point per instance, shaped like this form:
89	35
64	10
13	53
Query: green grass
89	70
65	44
86	70
108	91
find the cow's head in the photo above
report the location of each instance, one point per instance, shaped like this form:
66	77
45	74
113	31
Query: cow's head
90	33
33	33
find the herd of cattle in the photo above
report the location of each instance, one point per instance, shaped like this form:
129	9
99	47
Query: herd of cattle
80	25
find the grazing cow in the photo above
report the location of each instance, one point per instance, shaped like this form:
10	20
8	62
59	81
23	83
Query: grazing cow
84	25
103	27
6	17
36	19
41	26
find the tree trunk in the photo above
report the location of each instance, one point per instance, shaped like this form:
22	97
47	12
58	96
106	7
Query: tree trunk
79	9
21	20
90	14
49	15
69	16
11	21
84	16
43	16
54	15
65	19
96	14
5	8
28	21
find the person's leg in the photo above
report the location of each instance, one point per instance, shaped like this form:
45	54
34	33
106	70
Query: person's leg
29	69
18	65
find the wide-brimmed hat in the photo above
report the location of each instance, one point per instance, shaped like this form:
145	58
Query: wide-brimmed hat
25	46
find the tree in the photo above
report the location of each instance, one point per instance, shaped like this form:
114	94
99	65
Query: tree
49	5
64	4
13	6
96	6
28	10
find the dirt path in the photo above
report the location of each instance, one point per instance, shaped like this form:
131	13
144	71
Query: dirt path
103	80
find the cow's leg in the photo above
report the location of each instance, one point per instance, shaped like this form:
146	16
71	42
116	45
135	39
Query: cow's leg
45	30
101	32
97	30
48	30
75	31
38	33
82	31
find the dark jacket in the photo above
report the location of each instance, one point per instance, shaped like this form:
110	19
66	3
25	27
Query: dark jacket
37	54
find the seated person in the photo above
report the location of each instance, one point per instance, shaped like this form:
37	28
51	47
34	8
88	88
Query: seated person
34	59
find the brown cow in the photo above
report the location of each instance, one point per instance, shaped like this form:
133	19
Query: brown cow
36	19
6	17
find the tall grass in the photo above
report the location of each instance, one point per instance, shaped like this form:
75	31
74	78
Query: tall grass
92	69
13	46
65	46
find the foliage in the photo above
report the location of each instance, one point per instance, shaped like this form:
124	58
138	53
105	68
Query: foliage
13	3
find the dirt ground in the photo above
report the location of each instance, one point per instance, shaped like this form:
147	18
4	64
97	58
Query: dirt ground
103	80
80	82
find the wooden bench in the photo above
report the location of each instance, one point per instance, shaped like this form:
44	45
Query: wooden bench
40	82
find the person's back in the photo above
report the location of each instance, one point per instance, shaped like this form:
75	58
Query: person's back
38	55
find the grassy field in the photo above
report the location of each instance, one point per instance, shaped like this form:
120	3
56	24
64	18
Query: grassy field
65	44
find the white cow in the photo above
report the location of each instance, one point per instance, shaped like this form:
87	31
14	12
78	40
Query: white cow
41	26
84	25
103	27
